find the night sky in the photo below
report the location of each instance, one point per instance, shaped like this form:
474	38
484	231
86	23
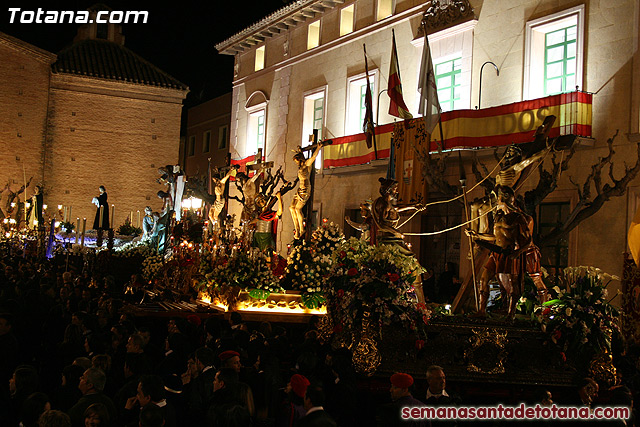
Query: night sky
179	39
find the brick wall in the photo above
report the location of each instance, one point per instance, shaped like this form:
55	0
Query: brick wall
97	137
24	84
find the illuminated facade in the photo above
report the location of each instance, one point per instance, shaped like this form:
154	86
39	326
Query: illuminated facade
303	68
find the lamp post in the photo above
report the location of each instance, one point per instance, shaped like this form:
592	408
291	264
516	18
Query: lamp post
480	85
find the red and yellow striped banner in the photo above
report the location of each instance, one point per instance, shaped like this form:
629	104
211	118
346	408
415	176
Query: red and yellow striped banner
489	127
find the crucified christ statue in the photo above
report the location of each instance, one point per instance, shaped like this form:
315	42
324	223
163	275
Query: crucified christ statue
304	188
218	205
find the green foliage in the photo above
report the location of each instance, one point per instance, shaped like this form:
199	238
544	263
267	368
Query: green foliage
127	229
580	320
260	294
247	270
68	227
313	300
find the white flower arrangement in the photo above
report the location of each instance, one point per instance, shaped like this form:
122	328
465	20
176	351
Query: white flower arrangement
309	263
580	320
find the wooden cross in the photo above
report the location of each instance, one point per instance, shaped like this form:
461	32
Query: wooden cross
308	208
259	164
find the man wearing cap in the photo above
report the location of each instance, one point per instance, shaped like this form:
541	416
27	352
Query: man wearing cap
391	415
231	359
292	408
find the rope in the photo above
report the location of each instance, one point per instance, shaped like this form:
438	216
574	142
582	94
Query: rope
457	197
433	233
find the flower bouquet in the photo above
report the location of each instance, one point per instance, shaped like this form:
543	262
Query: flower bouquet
309	263
375	279
580	320
228	275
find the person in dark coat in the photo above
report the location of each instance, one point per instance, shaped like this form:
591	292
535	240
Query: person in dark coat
68	394
316	415
226	399
292	408
101	201
438	396
150	391
91	385
392	414
436	393
198	391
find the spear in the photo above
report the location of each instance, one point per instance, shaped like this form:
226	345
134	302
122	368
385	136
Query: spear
463	184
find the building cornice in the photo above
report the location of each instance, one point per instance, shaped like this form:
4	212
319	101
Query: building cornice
281	20
117	89
337	43
17	44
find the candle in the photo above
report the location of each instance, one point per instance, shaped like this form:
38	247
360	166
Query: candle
138	220
72	216
84	228
65	213
131	218
113	214
78	230
100	217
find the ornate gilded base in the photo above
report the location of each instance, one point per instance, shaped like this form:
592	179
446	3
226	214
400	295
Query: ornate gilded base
477	350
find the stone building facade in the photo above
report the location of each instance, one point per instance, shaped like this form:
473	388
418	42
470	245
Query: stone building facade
313	49
94	114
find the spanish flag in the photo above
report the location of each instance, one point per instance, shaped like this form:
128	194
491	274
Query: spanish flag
397	107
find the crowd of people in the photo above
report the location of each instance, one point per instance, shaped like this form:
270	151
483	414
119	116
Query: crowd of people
70	356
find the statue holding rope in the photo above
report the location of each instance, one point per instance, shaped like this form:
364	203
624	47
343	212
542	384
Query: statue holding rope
512	253
386	215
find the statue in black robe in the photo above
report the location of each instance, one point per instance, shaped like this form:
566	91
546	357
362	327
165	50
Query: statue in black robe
99	201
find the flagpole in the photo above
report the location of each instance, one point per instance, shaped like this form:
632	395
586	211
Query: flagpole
463	184
373	132
441	134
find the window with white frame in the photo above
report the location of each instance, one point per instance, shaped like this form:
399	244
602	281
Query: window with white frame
554	53
206	141
356	90
448	83
255	131
313	35
223	136
259	58
385	9
313	118
346	20
452	55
